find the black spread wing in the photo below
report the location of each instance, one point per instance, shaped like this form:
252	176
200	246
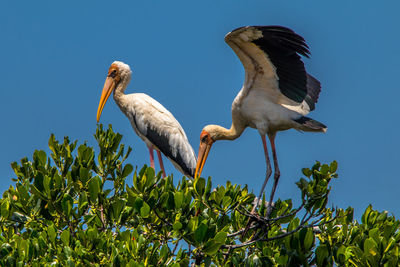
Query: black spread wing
282	48
313	90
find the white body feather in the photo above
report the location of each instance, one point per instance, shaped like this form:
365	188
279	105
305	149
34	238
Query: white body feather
149	113
260	104
145	114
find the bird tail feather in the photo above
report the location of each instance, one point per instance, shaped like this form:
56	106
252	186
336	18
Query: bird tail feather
309	125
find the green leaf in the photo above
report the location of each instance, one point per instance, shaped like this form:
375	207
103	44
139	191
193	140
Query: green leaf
59	181
136	182
40	156
177	226
322	254
51	232
199	185
145	210
370	247
127	170
324	169
211	247
46	185
200	232
5	208
138	204
374	233
341	254
309	239
83	175
349	215
65	235
307	172
208	187
82	203
94	188
5	249
66	204
150	177
333	166
382	216
117	207
178	198
220	237
164	251
193	222
293	224
92	233
170	201
38	182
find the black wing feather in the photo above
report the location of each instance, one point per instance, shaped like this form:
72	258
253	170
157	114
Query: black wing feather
161	141
283	47
313	90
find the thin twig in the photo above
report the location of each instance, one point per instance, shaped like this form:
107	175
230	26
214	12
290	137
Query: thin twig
226	256
176	246
301	226
294	212
239	232
266	220
164	221
247	214
102	216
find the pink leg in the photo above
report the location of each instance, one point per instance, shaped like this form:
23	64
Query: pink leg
267	176
268	173
151	157
161	163
277	173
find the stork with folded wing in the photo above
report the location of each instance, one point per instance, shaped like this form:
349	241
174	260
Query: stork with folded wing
153	123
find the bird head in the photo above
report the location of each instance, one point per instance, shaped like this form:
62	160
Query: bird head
207	138
119	73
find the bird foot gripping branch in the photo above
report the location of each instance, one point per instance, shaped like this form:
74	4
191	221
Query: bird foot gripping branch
276	95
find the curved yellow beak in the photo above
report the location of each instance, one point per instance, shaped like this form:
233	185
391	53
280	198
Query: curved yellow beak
108	87
202	157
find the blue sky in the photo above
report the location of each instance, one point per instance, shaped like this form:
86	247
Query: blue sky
55	57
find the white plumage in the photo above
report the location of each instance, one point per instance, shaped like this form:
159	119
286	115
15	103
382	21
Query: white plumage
276	94
152	122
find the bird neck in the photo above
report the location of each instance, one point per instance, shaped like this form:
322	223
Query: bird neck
119	95
221	133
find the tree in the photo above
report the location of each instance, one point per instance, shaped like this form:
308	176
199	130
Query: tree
75	208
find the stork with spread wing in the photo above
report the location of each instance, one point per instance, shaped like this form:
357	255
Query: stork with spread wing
277	93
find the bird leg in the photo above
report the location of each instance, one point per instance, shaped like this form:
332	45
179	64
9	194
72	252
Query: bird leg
267	176
161	163
151	157
277	173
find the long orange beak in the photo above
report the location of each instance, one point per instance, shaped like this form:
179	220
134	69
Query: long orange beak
201	159
108	87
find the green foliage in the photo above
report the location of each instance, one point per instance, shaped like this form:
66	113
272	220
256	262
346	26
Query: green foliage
74	208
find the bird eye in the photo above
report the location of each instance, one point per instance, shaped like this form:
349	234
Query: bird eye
113	73
204	139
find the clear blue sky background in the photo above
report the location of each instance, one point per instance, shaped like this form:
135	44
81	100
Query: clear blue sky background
54	59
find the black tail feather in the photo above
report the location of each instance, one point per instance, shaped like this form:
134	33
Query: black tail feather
308	124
